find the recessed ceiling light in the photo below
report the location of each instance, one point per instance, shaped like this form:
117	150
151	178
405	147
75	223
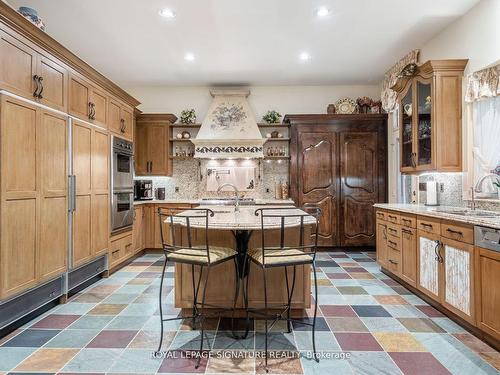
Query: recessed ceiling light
304	56
167	13
323	12
189	56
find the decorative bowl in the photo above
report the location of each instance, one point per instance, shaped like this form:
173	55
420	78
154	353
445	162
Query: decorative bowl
32	15
345	106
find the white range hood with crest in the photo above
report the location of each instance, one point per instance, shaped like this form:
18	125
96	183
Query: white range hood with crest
229	131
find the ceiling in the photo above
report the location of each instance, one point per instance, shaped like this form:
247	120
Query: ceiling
244	42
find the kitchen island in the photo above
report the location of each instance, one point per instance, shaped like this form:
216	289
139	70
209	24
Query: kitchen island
240	231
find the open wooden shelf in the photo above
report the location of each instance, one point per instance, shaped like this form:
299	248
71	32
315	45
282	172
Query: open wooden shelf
180	125
266	125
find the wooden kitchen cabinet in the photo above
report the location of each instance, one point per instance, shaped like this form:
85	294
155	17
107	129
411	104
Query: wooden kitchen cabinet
381	249
28	73
120	248
90	217
120	119
87	102
336	163
487	301
409	255
458	278
428	264
34	195
430	122
139	230
152	145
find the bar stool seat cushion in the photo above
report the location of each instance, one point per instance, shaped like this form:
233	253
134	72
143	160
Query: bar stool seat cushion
199	256
280	257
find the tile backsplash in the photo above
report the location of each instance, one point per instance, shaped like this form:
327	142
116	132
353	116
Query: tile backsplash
190	178
451	194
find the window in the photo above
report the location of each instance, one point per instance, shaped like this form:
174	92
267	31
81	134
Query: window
486	146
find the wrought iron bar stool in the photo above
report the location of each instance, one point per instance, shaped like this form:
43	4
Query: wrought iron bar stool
285	256
201	255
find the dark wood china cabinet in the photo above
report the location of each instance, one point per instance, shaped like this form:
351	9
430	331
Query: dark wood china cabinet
339	162
430	117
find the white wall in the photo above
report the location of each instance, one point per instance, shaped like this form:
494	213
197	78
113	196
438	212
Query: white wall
284	99
476	36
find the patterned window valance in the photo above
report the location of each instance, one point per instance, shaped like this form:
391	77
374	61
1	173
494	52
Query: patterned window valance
483	84
389	96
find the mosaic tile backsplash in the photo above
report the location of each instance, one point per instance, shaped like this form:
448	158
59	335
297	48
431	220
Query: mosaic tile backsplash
191	178
452	191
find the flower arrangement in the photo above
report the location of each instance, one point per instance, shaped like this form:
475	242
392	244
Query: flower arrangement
188	116
272	117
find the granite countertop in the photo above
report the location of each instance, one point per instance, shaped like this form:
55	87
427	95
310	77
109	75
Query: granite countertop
186	201
226	218
434	212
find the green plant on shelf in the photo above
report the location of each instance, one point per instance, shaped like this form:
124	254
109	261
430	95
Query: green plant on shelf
188	116
272	117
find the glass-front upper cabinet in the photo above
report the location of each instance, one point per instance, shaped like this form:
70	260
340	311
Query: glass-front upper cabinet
430	121
407	155
424	142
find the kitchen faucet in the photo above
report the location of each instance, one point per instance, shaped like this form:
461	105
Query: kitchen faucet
236	194
478	188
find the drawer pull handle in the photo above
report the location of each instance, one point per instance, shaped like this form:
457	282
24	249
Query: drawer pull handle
392	230
392	243
425	225
392	217
393	261
457	232
407	221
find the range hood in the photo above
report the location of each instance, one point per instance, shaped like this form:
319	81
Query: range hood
229	131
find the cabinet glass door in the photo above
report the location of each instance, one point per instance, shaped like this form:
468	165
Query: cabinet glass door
407	157
424	123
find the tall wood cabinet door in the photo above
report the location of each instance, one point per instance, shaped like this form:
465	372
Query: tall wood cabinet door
359	187
82	151
409	255
138	229
79	97
382	243
18	238
141	150
114	116
458	278
158	149
17	66
54	79
317	180
487	273
53	215
127	116
99	102
428	280
100	191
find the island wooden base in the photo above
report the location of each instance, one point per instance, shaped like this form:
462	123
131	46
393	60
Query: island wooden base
221	282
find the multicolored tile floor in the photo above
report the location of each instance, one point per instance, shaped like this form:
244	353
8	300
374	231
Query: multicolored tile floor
368	324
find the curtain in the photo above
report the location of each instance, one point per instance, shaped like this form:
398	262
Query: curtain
388	96
486	140
483	84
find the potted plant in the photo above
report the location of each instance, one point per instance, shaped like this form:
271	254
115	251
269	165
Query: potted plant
272	117
497	184
188	116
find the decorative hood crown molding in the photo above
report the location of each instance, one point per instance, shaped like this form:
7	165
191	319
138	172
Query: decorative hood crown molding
229	131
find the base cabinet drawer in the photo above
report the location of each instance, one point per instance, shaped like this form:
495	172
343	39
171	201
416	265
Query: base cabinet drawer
121	248
394	261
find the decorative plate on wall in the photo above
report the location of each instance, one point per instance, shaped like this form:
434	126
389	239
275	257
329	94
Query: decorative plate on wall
345	106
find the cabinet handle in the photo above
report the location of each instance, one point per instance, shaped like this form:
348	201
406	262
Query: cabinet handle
393	261
385	233
392	230
151	166
394	244
438	257
123	127
40	81
457	232
91	111
37	83
392	217
425	225
413	159
406	221
406	231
